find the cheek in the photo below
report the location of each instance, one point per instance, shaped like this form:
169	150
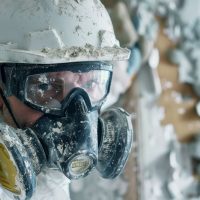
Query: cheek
5	114
24	115
6	117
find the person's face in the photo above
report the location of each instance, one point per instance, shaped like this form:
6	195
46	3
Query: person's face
47	89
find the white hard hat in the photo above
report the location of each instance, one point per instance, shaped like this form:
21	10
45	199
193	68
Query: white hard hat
57	31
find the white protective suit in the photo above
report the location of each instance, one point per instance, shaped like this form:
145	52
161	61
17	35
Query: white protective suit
51	185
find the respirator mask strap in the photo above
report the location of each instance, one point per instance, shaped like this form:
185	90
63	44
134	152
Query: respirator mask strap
9	107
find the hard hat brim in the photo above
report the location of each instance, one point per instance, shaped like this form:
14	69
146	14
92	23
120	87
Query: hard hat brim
64	55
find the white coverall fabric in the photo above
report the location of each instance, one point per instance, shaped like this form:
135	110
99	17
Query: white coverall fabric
51	185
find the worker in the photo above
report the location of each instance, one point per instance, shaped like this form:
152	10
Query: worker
55	74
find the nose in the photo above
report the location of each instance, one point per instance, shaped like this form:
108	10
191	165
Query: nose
69	87
71	83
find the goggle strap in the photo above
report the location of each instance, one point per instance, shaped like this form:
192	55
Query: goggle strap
9	107
3	75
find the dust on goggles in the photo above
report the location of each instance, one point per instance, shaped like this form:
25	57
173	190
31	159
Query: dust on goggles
45	86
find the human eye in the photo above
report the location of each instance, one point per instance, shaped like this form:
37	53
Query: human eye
44	86
91	84
50	84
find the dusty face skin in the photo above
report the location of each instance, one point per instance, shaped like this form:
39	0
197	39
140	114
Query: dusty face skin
43	89
24	115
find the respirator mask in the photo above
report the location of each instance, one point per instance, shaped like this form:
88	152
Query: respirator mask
71	135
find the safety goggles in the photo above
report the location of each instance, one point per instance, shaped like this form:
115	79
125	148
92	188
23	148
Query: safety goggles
44	87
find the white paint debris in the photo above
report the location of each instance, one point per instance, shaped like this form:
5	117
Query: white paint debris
41	92
181	111
177	97
60	148
87	51
57	130
59	124
9	134
167	85
43	78
170	175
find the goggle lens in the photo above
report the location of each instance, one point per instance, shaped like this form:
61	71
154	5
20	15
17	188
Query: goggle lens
47	90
